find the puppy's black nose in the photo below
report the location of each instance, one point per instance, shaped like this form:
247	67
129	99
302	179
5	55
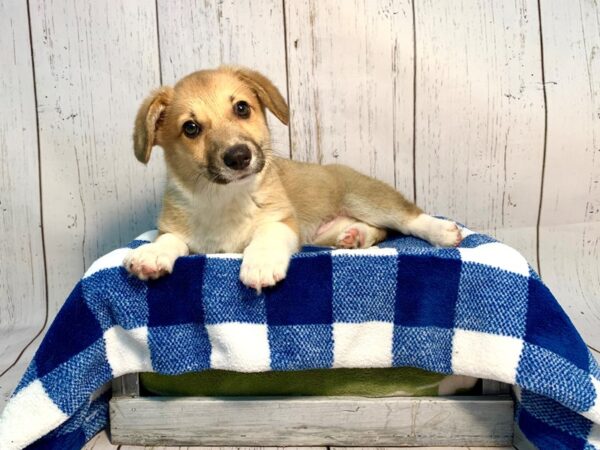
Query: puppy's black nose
237	157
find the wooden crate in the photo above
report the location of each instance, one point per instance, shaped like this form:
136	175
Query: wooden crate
485	420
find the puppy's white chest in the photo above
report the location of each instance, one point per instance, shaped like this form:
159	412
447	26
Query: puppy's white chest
222	225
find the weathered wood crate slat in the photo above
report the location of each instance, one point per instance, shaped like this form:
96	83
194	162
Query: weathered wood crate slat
485	420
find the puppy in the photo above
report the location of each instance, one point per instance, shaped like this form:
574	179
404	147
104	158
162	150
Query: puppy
227	192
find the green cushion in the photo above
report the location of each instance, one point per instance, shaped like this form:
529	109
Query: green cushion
401	381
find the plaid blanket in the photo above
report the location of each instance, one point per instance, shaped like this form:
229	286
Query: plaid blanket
476	310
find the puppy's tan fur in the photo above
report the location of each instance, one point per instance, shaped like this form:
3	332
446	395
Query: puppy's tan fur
267	209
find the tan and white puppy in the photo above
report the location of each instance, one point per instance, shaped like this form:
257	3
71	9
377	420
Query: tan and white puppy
227	192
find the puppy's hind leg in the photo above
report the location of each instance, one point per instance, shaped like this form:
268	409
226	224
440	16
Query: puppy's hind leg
379	205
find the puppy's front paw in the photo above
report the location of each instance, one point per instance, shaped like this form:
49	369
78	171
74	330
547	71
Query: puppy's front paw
149	261
444	233
262	267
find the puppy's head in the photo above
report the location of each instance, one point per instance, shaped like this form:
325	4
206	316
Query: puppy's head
211	124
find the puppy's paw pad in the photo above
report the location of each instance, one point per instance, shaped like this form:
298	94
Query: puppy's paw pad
263	268
148	262
349	238
445	233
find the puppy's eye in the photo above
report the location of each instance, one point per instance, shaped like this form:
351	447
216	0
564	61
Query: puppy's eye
242	109
191	129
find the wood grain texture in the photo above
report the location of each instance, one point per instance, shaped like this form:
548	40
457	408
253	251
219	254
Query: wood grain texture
479	116
101	442
202	34
570	216
94	63
423	448
22	278
351	75
352	421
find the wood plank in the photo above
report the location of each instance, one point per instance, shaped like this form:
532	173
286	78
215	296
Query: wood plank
350	77
423	448
570	216
479	116
94	63
352	421
239	32
100	442
22	278
136	447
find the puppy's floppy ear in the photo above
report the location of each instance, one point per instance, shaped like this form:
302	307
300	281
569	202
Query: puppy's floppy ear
266	91
148	120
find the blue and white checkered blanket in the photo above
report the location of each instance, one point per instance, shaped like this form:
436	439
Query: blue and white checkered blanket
476	310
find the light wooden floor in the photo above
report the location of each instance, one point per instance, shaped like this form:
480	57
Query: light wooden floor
100	442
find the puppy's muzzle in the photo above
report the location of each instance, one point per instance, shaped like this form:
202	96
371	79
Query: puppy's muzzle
237	157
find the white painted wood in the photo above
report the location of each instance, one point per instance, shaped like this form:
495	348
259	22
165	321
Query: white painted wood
22	290
350	421
570	220
351	76
196	34
94	62
479	116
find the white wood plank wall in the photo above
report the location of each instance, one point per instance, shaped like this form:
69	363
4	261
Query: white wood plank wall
486	112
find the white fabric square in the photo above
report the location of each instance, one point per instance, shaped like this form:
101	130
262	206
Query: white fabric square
32	405
594	412
497	255
108	261
239	346
127	350
486	355
465	232
149	236
367	344
371	251
116	257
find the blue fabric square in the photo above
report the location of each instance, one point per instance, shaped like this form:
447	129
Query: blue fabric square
555	414
136	243
364	288
70	384
305	295
491	301
546	320
541	370
177	298
29	376
426	291
168	354
58	346
70	441
224	296
301	346
545	436
475	240
116	298
428	348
